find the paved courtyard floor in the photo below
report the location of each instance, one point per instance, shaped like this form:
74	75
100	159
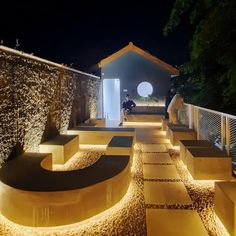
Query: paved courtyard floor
162	199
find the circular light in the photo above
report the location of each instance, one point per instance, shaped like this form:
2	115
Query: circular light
145	89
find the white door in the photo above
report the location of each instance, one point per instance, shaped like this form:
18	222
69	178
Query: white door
111	99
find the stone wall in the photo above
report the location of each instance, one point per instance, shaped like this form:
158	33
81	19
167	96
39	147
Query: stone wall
39	100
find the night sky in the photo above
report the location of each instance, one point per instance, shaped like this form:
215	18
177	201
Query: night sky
84	32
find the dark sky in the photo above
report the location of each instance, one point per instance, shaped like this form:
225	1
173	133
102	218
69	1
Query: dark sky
84	32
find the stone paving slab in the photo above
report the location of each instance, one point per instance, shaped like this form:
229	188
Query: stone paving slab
156	158
172	222
154	148
160	172
166	193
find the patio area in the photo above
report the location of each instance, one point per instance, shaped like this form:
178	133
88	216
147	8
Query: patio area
162	195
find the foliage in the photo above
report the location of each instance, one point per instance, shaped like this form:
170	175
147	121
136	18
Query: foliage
180	7
209	78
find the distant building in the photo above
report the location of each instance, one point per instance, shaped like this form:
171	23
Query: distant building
136	72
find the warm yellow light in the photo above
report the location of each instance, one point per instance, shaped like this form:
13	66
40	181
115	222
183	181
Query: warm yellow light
207	182
111	214
129	210
156	124
137	147
160	132
176	148
159	103
91	147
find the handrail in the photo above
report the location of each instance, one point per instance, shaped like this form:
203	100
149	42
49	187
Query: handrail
213	111
218	126
39	59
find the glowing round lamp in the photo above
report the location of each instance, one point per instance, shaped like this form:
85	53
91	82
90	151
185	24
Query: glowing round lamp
145	89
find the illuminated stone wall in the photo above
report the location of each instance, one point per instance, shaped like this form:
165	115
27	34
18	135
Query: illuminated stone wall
39	101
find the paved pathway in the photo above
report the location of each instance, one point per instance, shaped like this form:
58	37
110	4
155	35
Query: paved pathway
166	198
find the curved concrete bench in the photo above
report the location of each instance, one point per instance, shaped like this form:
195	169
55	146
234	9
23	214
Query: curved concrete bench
99	135
33	196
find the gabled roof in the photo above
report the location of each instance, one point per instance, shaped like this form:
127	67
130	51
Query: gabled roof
133	48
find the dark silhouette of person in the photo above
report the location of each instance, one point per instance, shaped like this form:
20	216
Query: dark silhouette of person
127	107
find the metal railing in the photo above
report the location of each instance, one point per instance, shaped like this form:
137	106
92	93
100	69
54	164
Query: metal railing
217	127
39	59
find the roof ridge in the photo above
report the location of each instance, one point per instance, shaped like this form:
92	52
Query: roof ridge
134	48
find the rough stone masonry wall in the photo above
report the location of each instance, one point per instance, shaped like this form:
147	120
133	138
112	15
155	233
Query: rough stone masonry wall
39	101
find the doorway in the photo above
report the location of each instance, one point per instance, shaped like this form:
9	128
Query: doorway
111	99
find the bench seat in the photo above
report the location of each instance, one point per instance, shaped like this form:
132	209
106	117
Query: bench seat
35	196
169	125
120	145
99	135
181	133
208	163
184	144
62	147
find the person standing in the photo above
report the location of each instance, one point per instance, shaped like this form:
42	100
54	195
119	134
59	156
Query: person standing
173	108
127	107
171	93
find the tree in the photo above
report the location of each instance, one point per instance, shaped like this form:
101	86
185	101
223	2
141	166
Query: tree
210	75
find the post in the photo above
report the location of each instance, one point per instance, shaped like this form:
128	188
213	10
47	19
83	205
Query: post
196	121
190	116
222	131
227	135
